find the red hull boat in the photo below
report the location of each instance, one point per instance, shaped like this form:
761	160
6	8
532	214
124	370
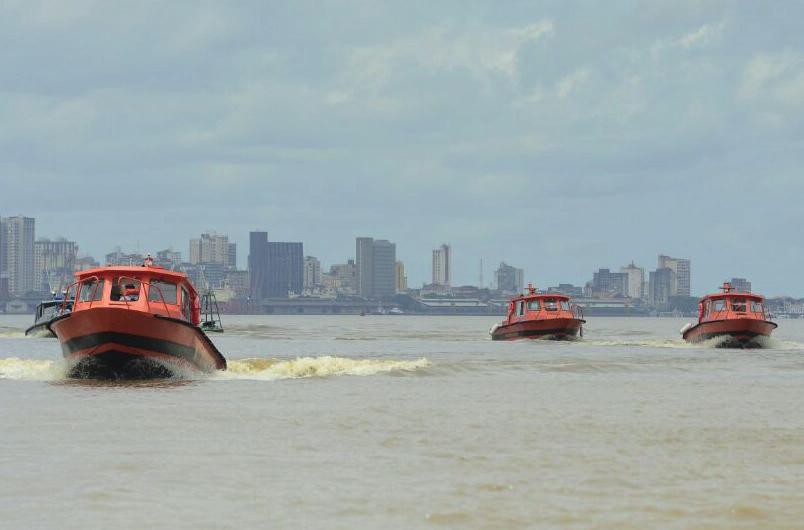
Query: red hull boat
540	316
134	323
740	320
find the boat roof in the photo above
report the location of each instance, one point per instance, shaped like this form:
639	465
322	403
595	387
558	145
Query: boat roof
533	295
152	271
727	291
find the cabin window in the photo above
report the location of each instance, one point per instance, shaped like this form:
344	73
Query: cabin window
550	304
564	305
185	303
707	307
125	290
534	305
520	308
718	305
756	306
738	305
160	290
91	291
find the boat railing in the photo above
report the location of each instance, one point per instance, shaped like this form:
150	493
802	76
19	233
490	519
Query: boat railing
577	312
66	301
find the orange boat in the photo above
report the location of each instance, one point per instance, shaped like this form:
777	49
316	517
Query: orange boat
741	318
134	323
537	315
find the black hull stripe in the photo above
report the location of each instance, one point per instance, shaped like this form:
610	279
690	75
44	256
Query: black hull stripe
133	341
535	333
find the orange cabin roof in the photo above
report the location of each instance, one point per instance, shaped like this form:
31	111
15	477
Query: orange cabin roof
153	272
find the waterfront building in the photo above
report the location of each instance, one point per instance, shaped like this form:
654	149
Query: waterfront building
54	264
118	257
3	250
635	280
606	283
682	274
510	279
213	248
567	289
238	283
18	253
168	258
344	277
442	265
312	272
401	279
86	263
741	285
661	284
258	264
376	267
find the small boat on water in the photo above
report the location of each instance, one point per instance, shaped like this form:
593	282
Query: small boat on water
741	319
45	312
134	323
536	315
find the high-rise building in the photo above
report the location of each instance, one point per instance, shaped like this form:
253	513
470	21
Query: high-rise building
312	272
442	265
510	279
364	260
258	264
3	252
285	269
661	284
635	279
18	243
607	283
118	257
54	264
213	248
169	259
681	269
401	279
741	285
376	267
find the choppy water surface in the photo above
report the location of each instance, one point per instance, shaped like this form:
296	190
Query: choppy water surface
412	422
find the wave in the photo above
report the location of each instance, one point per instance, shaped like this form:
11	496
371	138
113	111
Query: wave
7	332
325	366
31	369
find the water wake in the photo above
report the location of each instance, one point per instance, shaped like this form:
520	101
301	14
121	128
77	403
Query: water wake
31	369
325	366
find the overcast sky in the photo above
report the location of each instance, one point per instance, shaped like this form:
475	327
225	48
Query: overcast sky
557	136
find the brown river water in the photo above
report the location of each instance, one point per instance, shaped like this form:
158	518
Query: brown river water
412	422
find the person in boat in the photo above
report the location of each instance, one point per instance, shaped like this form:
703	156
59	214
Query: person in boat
131	293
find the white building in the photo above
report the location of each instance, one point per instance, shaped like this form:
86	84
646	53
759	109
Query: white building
213	248
18	253
635	281
442	265
312	272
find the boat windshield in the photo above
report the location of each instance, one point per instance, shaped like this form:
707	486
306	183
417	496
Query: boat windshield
565	305
550	304
125	290
718	305
756	306
161	289
534	305
738	305
91	291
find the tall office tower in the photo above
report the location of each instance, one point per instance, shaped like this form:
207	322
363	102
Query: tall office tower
54	264
232	256
661	285
401	279
741	285
258	264
18	245
442	265
312	272
285	269
681	269
635	281
211	248
364	260
384	269
510	279
3	253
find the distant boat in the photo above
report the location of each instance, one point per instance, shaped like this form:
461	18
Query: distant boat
134	323
45	312
537	315
741	318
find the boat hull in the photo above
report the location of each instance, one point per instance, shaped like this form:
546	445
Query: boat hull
118	343
552	329
736	333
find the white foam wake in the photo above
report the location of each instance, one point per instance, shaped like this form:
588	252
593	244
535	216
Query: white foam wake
31	369
325	366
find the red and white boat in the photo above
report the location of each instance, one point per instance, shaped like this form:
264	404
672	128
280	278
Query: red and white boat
537	315
134	323
740	319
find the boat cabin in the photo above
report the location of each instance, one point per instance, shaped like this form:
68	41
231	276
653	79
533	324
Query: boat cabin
537	306
147	288
730	304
